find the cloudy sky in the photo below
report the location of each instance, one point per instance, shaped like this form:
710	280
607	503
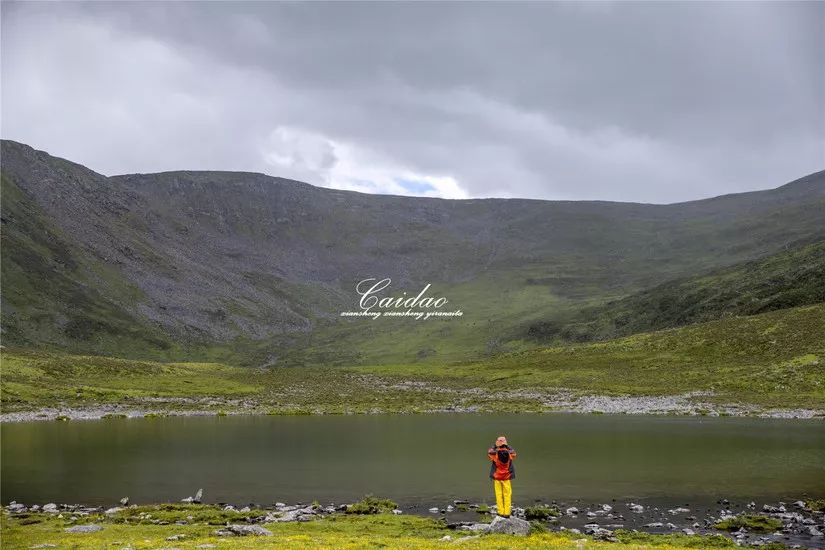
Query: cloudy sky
652	102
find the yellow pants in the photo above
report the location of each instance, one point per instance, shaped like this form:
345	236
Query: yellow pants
504	496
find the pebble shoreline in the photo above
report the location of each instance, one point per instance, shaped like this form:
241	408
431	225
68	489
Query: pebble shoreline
682	405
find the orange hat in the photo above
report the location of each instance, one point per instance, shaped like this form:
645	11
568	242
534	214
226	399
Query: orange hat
501	441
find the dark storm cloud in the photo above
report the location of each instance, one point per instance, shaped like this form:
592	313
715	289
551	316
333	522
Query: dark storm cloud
652	102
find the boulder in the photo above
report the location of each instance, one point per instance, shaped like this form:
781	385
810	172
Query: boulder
298	514
510	526
195	499
243	531
603	534
477	527
813	531
790	517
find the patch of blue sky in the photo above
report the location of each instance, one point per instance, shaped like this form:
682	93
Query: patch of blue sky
415	186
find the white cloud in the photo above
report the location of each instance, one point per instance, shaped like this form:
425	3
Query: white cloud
571	107
309	156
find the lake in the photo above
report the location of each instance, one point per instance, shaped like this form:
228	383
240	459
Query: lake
412	459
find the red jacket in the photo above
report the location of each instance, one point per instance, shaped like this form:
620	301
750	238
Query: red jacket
501	459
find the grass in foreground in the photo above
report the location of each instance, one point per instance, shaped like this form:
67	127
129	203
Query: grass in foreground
773	360
130	528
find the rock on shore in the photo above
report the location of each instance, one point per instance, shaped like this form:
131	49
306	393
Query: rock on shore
508	526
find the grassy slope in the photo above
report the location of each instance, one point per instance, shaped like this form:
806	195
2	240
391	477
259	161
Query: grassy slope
64	297
789	279
776	359
525	308
46	378
487	303
338	531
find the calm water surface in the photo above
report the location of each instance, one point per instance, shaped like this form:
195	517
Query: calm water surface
412	459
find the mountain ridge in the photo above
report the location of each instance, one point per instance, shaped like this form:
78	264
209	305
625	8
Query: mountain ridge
204	262
793	183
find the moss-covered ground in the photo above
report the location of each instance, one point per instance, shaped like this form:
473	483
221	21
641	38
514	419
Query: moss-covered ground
149	526
772	360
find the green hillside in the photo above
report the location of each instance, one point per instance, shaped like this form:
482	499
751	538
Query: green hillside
55	295
772	360
253	270
788	279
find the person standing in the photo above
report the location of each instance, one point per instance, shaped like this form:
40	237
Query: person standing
501	457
